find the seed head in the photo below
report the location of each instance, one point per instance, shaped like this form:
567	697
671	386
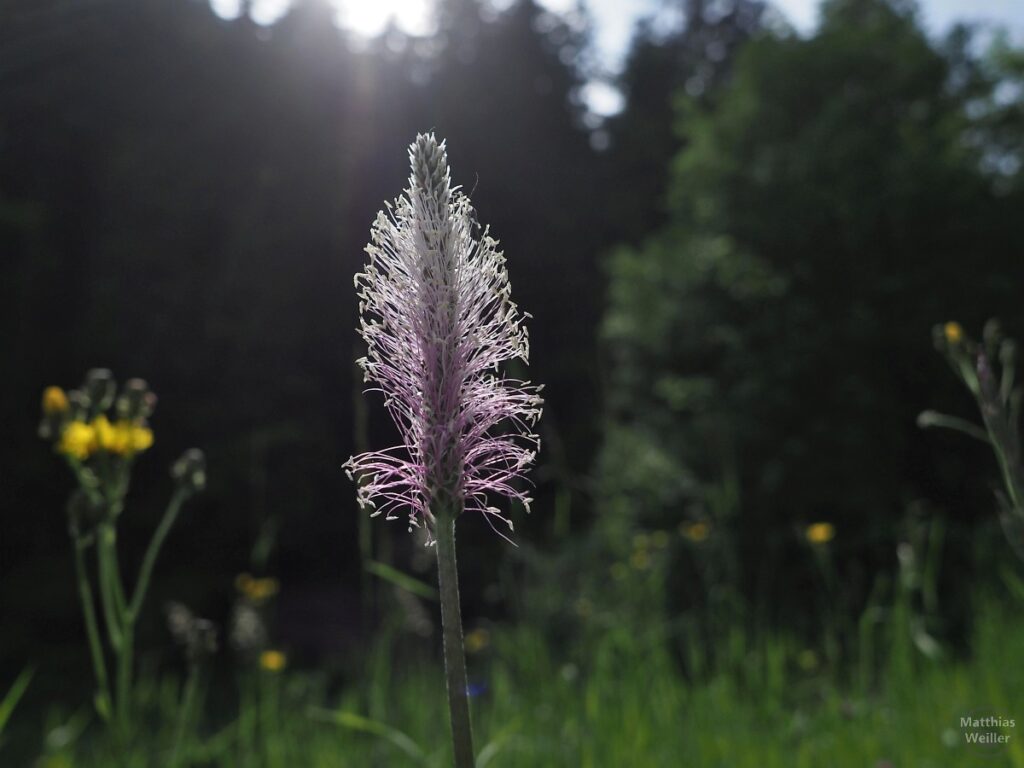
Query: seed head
438	321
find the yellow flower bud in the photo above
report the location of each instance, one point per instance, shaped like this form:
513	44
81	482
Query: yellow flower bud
257	590
695	532
78	440
261	589
54	400
820	533
953	332
477	640
273	661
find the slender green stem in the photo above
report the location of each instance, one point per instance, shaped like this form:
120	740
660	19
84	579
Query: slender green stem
99	664
109	533
124	678
269	718
112	615
1007	448
454	652
247	715
185	712
149	560
129	613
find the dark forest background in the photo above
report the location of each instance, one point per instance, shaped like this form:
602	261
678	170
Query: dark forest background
733	284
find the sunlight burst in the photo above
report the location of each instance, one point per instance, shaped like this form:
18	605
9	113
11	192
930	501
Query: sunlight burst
370	17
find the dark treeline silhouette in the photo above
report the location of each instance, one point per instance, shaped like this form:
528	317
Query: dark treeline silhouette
186	199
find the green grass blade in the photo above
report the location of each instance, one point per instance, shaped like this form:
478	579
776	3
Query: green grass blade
402	580
496	745
1013	582
15	693
362	724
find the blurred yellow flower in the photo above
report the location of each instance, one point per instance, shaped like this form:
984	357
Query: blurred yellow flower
139	438
107	437
820	533
695	532
54	400
254	589
78	440
124	438
130	438
640	559
953	332
273	661
807	660
477	640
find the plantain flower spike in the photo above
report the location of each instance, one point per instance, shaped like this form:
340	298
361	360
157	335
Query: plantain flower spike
438	321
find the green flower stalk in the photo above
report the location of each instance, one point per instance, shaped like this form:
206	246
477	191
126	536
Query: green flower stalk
438	322
100	432
987	369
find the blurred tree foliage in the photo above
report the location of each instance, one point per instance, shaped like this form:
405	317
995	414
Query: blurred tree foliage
692	56
769	346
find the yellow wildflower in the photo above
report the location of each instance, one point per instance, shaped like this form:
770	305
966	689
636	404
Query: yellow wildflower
273	661
108	437
953	332
695	532
477	640
820	533
139	438
123	437
54	401
78	440
256	590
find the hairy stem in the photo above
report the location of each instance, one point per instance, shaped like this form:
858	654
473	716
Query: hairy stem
454	653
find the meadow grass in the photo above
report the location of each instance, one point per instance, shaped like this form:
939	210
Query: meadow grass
620	700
